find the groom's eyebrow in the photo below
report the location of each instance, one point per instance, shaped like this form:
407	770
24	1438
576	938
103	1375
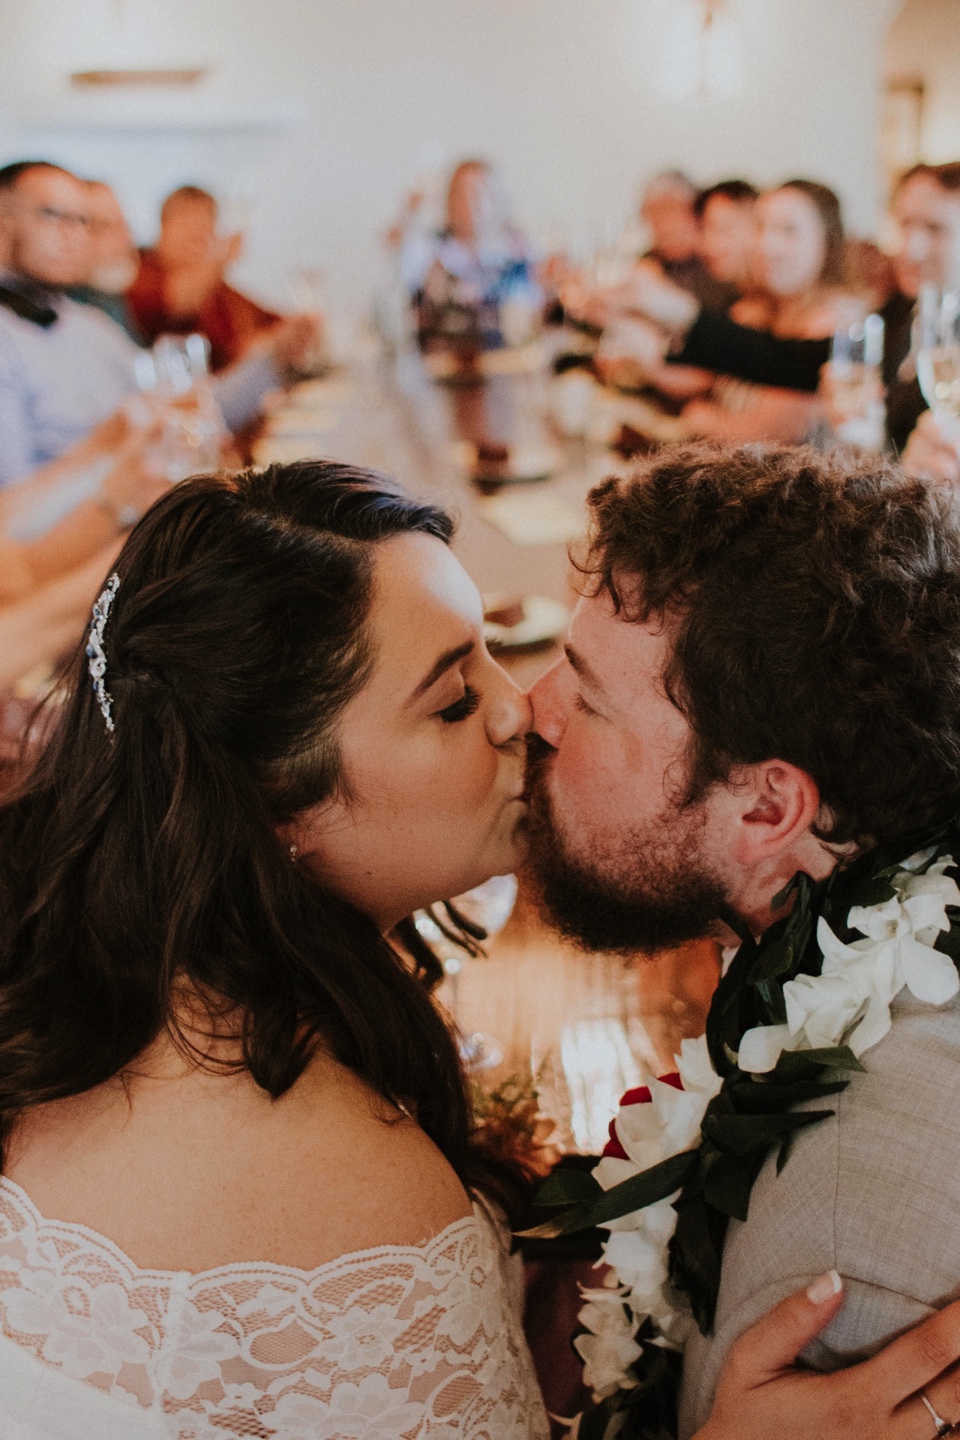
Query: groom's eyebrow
446	662
583	669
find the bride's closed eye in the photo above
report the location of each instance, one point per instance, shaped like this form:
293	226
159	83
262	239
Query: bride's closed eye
461	709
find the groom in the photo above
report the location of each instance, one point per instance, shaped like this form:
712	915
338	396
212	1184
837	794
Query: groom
762	677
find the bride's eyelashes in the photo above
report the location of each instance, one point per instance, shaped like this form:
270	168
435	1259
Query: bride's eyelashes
461	709
580	704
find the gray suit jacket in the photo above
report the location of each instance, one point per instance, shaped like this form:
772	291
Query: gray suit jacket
873	1192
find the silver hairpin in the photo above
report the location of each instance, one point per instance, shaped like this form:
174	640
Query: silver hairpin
97	662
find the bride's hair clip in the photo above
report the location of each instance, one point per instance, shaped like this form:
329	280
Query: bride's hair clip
97	662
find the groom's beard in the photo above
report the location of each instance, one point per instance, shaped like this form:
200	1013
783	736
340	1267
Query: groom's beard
652	892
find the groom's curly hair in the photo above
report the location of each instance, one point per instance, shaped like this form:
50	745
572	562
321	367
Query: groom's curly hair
814	605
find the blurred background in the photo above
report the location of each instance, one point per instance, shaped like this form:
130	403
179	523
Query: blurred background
310	121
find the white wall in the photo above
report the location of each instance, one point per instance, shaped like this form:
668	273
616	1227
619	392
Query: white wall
924	43
562	92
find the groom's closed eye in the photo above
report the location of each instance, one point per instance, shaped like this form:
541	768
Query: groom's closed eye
582	669
587	678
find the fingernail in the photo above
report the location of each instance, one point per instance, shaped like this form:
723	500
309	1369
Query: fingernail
824	1288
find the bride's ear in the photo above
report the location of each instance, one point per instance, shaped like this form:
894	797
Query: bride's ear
776	805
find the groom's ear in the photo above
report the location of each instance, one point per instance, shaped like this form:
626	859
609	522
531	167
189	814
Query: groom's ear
776	804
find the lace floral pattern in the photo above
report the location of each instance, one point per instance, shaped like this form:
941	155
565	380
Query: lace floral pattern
392	1344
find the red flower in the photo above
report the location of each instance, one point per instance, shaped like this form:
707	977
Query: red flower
640	1095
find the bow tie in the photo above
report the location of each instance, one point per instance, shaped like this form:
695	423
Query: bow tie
31	303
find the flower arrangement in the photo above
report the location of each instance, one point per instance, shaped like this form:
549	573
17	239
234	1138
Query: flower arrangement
794	1011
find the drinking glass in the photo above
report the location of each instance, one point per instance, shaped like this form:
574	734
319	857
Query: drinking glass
175	375
856	382
937	348
490	906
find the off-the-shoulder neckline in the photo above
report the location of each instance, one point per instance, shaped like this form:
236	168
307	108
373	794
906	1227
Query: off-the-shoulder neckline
479	1219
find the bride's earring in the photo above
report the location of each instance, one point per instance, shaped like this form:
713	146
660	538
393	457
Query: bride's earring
294	853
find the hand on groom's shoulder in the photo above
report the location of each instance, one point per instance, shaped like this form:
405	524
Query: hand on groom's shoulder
873	1192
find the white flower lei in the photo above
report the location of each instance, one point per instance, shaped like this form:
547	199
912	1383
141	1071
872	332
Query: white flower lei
847	1003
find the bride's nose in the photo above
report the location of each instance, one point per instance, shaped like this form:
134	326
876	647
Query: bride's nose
509	715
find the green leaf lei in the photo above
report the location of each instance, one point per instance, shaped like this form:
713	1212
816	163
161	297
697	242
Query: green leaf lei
751	1116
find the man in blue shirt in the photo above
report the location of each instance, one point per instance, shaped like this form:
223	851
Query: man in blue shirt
65	367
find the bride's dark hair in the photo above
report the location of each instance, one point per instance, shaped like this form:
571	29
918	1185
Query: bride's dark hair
137	863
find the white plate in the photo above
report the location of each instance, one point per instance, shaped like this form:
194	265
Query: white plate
543	621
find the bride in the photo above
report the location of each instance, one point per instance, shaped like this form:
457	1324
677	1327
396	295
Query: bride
240	1192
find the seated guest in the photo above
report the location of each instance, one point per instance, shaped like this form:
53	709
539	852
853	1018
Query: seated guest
113	259
77	505
799	271
64	366
926	211
180	286
933	450
669	211
728	234
799	262
460	276
38	627
728	242
59	532
869	272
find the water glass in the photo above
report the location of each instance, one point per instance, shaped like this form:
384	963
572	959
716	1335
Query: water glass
856	382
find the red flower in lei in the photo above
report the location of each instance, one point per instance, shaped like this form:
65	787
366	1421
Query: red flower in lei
640	1095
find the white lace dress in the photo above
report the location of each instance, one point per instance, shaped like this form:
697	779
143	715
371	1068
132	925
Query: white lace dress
400	1343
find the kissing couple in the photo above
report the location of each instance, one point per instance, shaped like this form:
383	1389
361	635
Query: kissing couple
241	1190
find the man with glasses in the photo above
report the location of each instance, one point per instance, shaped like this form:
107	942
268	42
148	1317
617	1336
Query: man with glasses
65	366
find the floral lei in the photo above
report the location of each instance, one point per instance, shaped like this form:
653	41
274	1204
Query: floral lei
794	1011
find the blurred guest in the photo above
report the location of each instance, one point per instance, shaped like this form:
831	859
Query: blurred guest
728	234
461	277
870	272
64	366
799	262
77	505
669	211
180	286
113	259
37	627
926	211
933	449
51	568
728	241
800	295
926	208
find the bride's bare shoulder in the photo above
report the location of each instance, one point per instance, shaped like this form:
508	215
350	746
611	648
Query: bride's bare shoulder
192	1170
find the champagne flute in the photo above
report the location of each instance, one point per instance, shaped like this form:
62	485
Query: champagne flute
937	344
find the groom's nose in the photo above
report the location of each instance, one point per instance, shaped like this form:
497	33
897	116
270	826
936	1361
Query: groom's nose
550	701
